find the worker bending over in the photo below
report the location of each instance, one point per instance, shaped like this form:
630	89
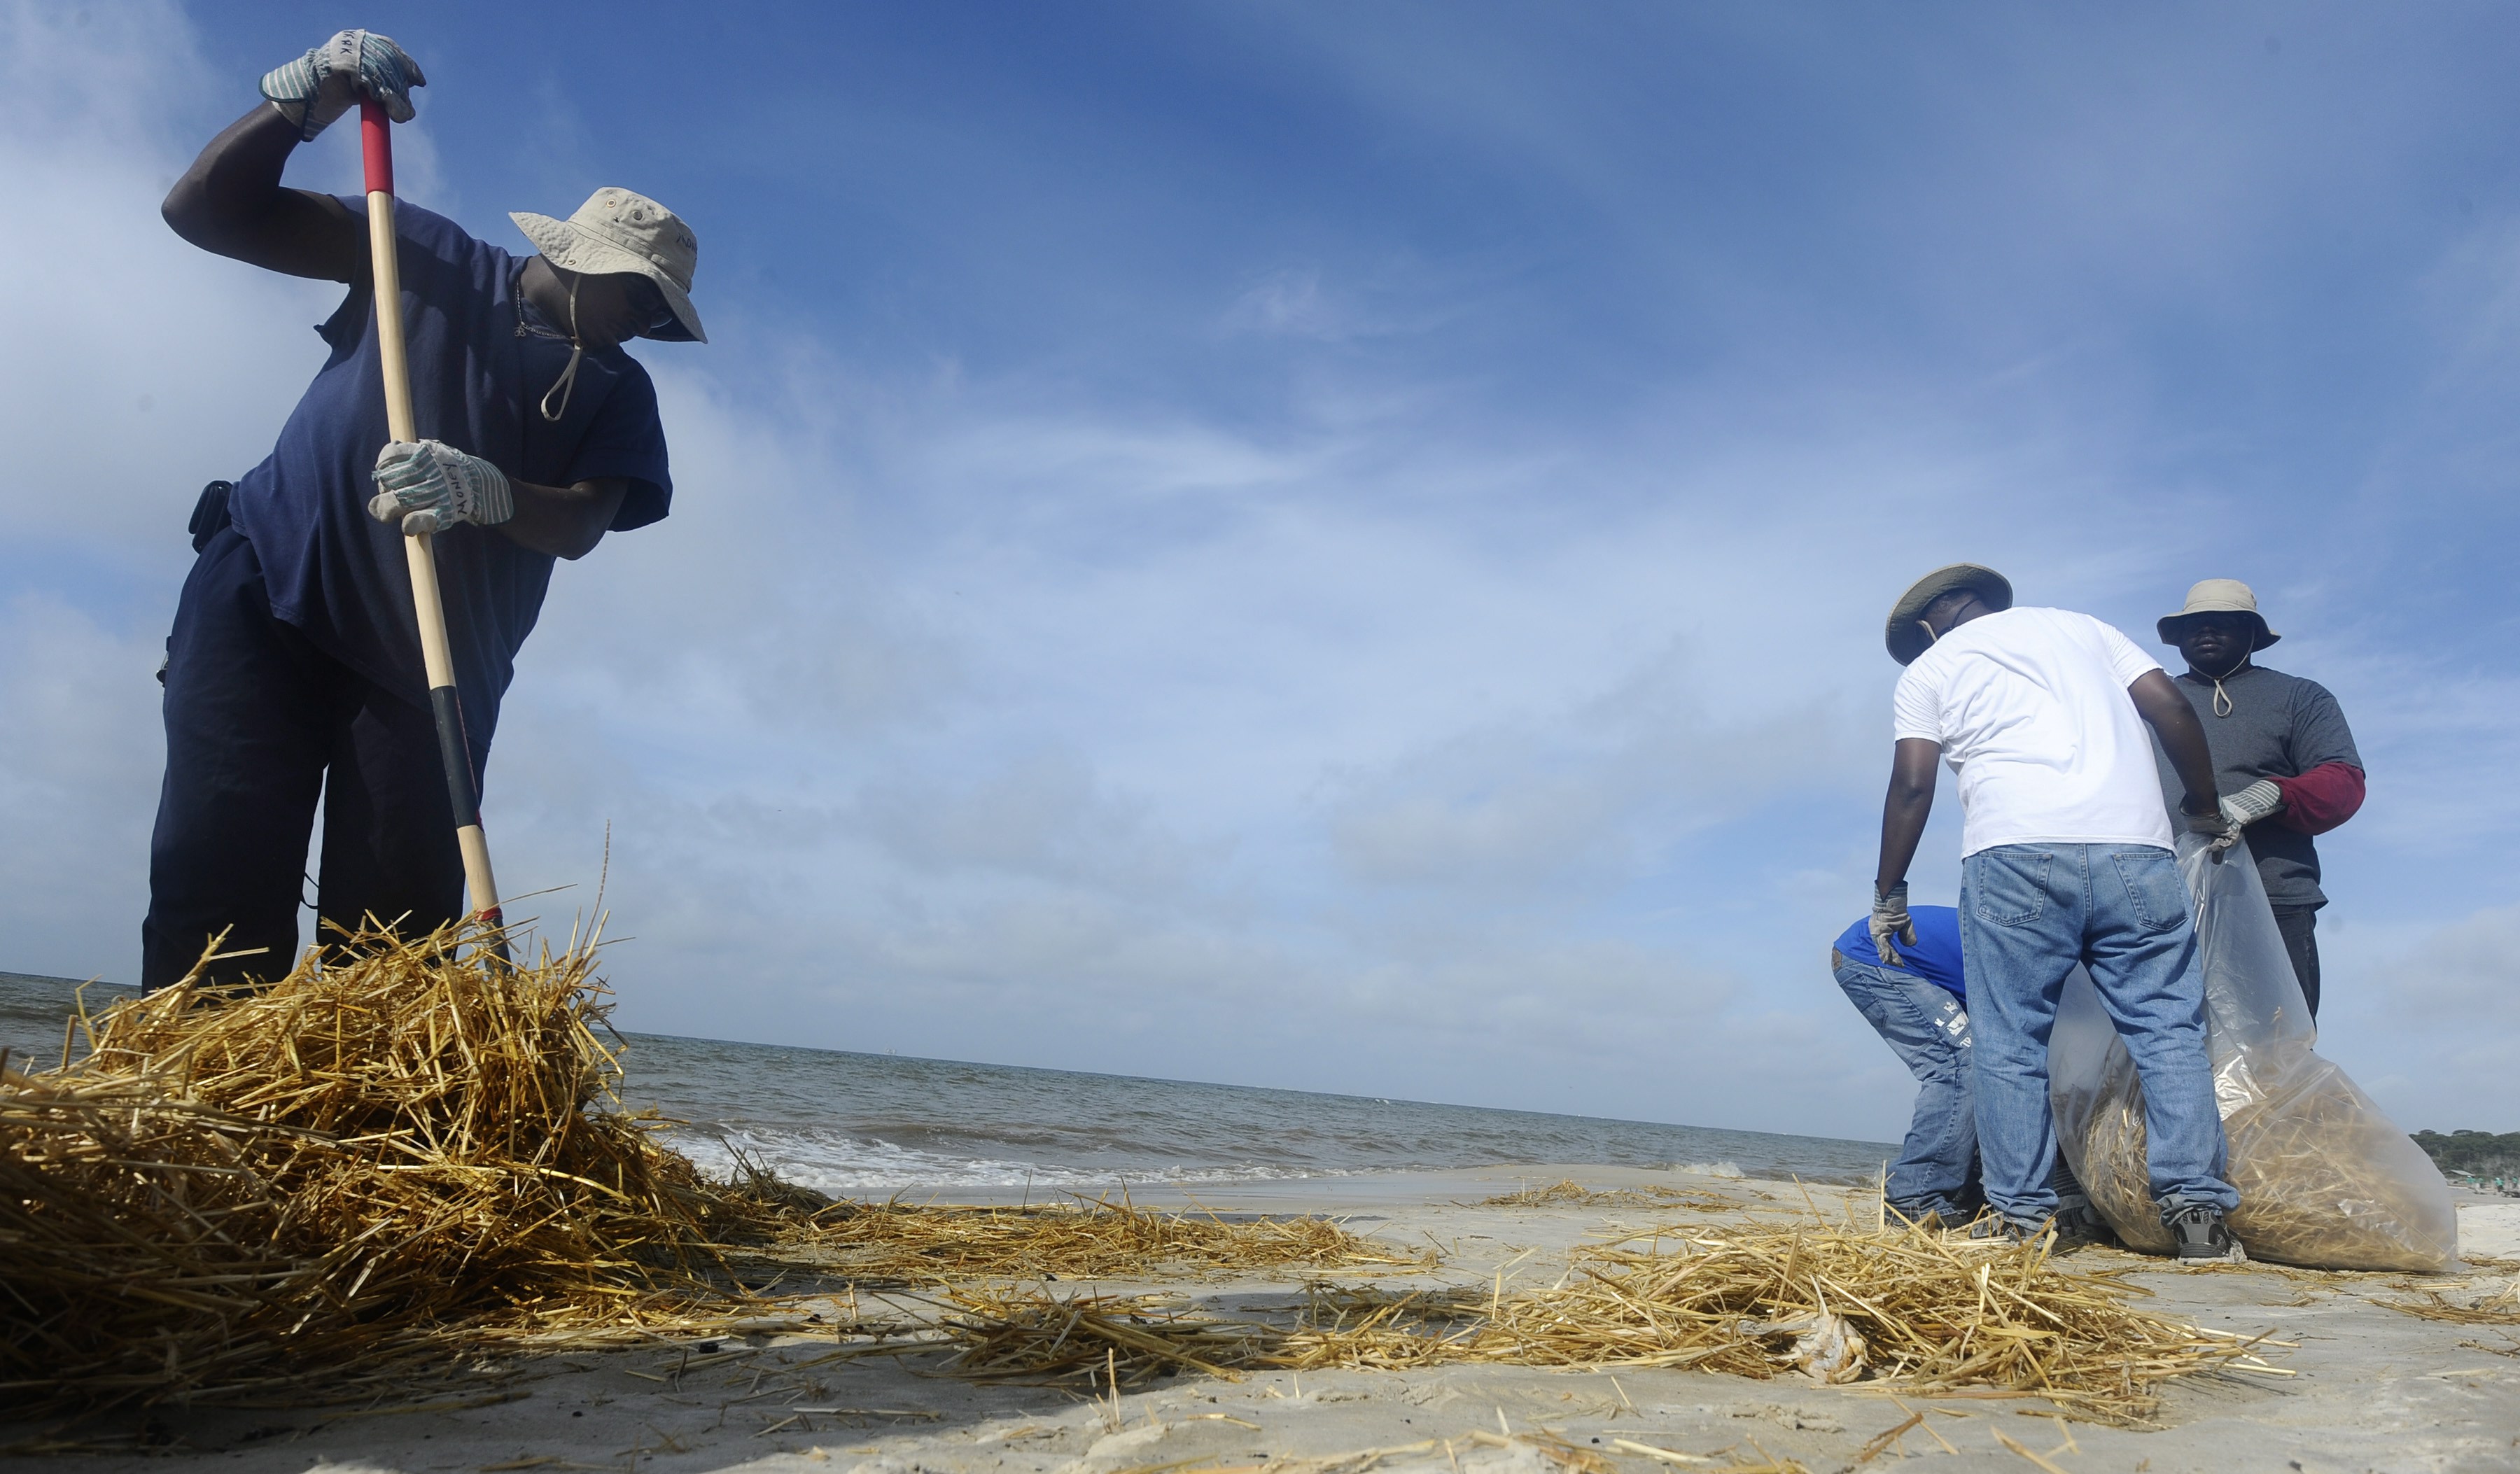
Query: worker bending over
1916	998
2283	755
2065	859
1918	1004
294	665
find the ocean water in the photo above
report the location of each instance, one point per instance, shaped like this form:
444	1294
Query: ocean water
873	1125
34	1012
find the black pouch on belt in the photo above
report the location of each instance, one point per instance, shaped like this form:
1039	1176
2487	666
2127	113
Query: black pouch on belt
209	513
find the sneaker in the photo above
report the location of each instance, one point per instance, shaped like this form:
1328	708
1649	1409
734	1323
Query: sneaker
2079	1226
2200	1234
1994	1225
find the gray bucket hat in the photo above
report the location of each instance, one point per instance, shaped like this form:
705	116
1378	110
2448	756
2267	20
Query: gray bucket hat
2217	596
618	231
1905	632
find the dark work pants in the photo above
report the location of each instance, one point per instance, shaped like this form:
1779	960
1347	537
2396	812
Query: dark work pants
258	722
2300	927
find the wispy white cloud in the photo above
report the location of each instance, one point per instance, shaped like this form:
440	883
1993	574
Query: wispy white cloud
1450	685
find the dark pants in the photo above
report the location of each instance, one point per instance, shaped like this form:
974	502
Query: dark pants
2300	927
258	723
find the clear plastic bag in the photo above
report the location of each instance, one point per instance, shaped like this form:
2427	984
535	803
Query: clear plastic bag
2325	1179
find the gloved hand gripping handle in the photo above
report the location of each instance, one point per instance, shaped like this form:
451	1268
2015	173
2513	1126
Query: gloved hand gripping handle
377	148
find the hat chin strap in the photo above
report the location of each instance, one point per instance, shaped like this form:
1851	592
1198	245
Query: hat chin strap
2223	707
1932	638
566	384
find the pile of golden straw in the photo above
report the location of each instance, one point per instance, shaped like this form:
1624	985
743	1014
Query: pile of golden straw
1838	1303
1830	1302
406	1146
229	1188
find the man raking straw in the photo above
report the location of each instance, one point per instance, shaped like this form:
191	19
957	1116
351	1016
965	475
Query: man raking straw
295	666
2065	859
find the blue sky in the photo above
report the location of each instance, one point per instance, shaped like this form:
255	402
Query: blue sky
1345	547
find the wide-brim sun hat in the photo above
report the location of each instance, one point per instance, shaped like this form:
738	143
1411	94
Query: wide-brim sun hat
619	231
1906	634
2217	596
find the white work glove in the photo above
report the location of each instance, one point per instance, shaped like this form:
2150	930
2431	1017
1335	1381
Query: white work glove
330	79
2259	800
1890	921
429	486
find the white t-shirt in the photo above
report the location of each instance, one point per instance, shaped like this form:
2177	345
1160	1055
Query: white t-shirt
2031	709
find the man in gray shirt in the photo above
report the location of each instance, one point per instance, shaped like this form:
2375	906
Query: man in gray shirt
2283	757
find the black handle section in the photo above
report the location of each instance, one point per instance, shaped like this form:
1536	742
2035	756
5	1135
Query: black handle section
455	755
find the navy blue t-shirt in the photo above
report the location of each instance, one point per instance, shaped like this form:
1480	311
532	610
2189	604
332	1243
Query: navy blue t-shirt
1935	956
481	360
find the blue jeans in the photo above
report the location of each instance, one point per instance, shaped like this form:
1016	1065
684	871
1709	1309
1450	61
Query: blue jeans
2028	914
1926	1027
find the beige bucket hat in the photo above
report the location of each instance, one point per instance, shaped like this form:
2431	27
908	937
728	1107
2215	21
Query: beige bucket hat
1905	632
617	231
2217	596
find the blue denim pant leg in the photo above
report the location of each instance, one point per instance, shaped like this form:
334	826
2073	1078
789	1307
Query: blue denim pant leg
2029	913
2150	975
1927	1028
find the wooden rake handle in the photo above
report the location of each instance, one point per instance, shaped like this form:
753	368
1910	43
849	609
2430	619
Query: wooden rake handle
377	147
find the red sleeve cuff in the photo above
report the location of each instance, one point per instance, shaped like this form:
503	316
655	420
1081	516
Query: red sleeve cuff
2320	799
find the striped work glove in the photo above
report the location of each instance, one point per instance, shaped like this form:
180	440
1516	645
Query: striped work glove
319	86
429	486
2259	800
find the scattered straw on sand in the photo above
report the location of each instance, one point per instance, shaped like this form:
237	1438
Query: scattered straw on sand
1835	1304
1567	1192
1078	1239
2498	1307
1015	1335
408	1149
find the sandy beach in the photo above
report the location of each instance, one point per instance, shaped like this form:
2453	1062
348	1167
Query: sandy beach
2371	1388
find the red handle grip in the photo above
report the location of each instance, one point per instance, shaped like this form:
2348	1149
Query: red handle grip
376	145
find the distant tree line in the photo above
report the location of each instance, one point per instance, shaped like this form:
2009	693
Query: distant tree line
2481	1152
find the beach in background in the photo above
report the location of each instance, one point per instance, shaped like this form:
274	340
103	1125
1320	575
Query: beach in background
856	1373
874	1124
